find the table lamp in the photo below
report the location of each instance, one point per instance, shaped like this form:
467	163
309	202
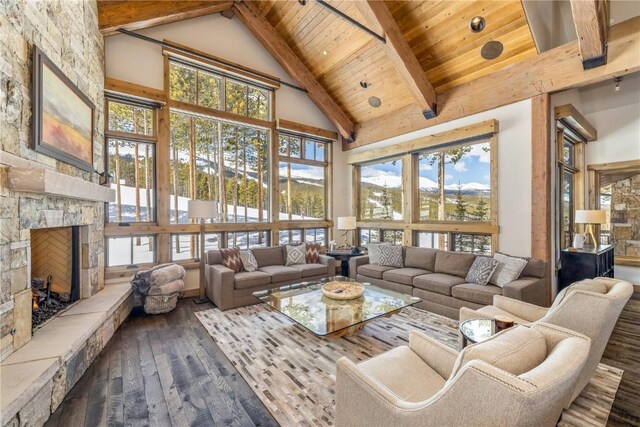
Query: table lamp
346	224
590	217
202	209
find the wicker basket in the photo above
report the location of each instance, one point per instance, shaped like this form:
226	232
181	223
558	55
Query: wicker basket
156	304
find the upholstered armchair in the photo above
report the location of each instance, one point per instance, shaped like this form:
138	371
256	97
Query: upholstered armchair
522	376
590	307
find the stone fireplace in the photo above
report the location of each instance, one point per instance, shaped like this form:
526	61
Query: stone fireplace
46	218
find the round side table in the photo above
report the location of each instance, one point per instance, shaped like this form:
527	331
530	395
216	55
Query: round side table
476	330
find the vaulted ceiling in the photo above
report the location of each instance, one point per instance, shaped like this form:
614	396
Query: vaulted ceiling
429	50
340	55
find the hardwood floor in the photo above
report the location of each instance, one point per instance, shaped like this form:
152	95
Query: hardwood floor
166	370
162	370
623	351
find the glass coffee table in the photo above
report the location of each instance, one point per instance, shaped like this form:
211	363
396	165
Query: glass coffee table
305	304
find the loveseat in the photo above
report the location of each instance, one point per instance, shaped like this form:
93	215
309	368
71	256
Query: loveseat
230	290
438	278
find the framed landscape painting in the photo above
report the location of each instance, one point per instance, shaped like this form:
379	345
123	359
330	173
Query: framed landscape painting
62	115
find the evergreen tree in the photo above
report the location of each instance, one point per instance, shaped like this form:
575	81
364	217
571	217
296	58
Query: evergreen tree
385	200
460	213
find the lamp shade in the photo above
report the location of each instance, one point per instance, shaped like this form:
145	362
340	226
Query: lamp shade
591	217
203	209
346	223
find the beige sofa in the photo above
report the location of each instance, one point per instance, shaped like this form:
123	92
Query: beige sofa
519	377
230	290
590	307
438	278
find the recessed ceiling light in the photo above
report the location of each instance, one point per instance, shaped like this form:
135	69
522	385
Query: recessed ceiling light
364	84
375	102
477	24
325	53
491	50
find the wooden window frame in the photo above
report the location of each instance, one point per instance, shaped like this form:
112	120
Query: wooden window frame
594	174
162	229
302	160
408	152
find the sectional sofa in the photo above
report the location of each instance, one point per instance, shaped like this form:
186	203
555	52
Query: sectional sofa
230	290
438	278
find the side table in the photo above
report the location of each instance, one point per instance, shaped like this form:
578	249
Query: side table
344	257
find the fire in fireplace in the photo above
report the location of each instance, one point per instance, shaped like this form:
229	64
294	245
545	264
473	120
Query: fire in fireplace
55	271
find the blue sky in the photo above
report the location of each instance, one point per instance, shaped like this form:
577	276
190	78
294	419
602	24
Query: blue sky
473	167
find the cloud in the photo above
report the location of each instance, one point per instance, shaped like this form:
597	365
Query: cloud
478	150
373	173
425	167
460	167
448	177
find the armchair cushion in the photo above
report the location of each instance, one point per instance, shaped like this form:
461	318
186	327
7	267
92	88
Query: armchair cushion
476	293
403	275
404	373
246	279
516	308
516	350
491	311
438	283
310	270
280	273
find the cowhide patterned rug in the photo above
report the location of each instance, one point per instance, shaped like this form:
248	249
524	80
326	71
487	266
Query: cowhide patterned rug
293	372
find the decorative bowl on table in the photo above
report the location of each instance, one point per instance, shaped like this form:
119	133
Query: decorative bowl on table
343	290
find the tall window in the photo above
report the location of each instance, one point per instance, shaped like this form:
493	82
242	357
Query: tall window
431	191
195	85
568	169
212	158
131	139
455	183
302	178
381	190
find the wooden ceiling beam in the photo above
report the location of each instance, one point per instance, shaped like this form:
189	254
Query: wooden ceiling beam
400	54
264	32
591	19
552	71
136	15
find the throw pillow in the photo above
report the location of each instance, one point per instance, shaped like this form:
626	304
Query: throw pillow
231	259
313	253
296	254
248	261
391	255
481	270
508	269
373	249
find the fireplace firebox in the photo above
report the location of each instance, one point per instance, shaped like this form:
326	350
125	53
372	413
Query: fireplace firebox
55	271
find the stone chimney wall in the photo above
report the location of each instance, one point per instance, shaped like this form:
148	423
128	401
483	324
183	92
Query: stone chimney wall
67	32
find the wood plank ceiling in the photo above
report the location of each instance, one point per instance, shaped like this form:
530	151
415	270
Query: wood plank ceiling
340	55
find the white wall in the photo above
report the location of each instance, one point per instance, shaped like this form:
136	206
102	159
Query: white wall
137	61
514	171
